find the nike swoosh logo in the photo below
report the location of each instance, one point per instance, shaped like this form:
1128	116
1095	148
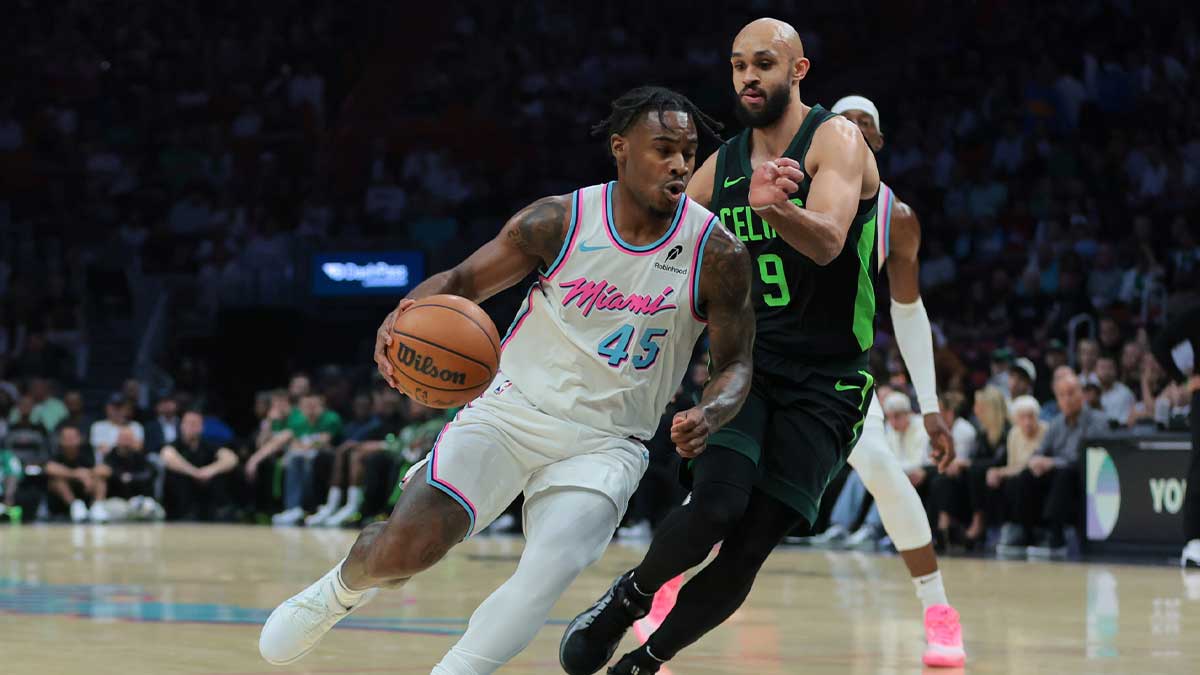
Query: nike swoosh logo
734	181
584	248
845	387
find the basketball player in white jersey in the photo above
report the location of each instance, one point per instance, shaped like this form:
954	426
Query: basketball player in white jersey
629	274
904	518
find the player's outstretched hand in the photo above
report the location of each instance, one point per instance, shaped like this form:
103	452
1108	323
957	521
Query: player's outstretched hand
383	340
689	432
941	443
773	181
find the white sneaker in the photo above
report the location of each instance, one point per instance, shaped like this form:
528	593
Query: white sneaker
342	516
834	537
99	514
864	538
292	516
1191	554
296	626
150	510
79	511
321	515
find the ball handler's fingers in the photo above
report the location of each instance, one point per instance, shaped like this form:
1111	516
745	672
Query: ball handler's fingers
788	162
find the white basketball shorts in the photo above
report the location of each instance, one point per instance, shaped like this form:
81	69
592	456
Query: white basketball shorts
501	445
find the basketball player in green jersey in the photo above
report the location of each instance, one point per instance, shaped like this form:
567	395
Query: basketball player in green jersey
799	188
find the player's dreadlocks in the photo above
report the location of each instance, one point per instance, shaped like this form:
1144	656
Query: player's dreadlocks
628	107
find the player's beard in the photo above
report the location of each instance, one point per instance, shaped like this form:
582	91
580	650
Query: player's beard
776	103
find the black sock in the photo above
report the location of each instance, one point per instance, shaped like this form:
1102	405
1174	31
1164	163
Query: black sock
721	490
714	594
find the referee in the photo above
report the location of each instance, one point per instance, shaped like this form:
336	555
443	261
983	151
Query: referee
1175	349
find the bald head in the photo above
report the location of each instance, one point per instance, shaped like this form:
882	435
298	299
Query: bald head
772	34
768	63
1068	392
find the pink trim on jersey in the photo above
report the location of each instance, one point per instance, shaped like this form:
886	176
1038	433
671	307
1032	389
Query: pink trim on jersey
676	226
434	472
694	274
521	319
884	218
576	225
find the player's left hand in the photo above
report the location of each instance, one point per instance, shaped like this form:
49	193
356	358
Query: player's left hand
774	181
941	443
383	340
689	432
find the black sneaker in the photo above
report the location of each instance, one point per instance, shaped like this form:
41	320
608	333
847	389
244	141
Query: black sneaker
592	637
1013	541
1050	544
636	662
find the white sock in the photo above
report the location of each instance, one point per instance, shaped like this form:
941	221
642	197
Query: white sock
335	497
930	590
345	595
355	497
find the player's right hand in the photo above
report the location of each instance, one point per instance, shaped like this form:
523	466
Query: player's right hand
383	340
689	432
773	182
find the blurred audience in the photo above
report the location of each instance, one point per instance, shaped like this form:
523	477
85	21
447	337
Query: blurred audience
1044	497
198	472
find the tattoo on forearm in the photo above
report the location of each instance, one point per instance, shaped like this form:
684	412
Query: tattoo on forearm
725	285
538	228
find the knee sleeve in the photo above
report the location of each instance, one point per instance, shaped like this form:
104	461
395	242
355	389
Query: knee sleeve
899	505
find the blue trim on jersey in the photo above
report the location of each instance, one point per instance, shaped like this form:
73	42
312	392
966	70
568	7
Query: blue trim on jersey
526	306
708	230
568	240
446	489
887	223
612	228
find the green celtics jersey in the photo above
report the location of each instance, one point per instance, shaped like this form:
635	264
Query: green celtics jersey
808	314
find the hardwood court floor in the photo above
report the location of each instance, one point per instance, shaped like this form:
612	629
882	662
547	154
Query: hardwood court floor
158	600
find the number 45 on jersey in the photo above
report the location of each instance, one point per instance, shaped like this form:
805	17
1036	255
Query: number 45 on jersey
615	346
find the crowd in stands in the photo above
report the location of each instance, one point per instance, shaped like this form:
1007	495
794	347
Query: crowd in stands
1018	455
1052	155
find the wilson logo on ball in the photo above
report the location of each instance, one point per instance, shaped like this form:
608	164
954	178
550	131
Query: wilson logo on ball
411	358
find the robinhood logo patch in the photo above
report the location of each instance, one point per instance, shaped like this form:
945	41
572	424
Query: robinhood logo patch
671	255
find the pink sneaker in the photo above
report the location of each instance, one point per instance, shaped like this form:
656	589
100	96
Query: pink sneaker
943	635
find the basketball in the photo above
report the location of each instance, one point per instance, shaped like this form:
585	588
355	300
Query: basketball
445	351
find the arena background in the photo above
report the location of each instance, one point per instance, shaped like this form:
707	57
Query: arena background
208	204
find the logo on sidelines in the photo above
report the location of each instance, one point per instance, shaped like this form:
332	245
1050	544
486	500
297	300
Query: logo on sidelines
1103	488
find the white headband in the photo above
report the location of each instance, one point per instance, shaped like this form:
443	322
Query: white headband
858	103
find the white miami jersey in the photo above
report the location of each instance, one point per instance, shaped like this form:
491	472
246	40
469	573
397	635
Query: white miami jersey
606	333
883	239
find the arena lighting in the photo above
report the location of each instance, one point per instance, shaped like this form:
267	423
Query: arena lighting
366	273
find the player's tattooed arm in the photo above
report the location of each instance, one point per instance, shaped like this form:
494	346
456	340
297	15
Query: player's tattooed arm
530	238
725	298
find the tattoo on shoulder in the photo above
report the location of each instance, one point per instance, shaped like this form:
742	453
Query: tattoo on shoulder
538	229
726	270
